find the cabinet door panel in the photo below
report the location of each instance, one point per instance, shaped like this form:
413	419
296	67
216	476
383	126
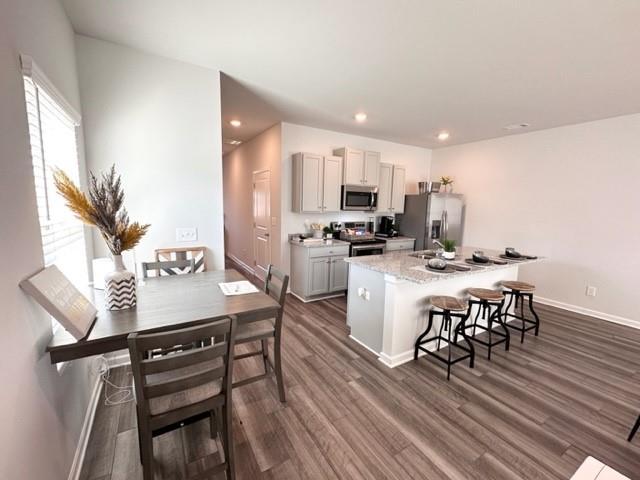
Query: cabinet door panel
398	189
319	275
353	166
332	183
371	168
384	188
312	183
338	276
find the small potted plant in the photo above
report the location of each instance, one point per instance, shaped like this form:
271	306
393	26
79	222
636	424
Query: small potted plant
449	249
447	183
328	235
104	208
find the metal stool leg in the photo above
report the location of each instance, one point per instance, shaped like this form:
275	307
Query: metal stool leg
424	334
447	318
634	429
535	315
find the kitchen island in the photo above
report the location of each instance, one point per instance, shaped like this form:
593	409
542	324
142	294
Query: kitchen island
388	297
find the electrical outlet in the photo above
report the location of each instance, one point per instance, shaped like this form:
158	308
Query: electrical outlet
360	292
189	234
591	291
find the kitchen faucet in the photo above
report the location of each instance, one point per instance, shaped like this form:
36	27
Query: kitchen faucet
437	242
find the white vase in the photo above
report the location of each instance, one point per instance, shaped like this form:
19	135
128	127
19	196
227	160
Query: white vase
119	287
449	255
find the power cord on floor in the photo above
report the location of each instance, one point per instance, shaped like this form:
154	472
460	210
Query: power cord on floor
122	394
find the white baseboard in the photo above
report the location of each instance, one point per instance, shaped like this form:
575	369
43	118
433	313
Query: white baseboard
590	313
309	300
241	263
85	433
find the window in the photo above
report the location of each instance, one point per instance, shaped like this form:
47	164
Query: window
52	133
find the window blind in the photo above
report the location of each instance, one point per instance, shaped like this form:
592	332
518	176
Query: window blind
52	133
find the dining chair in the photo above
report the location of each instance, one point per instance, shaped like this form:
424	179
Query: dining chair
184	386
173	267
275	285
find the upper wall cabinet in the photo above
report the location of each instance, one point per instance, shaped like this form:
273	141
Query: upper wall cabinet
359	167
316	183
391	188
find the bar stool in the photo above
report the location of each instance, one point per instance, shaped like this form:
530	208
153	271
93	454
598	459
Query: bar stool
518	291
451	308
486	300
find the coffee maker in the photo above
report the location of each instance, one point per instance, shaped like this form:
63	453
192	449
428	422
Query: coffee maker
387	227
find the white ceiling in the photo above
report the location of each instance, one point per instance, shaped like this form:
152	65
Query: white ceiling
415	66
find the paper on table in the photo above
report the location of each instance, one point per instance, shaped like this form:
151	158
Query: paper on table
238	288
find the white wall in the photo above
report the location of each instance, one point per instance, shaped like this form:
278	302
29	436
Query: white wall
570	194
260	153
158	120
41	412
298	138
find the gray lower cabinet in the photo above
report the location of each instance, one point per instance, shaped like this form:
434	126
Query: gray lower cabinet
319	275
318	271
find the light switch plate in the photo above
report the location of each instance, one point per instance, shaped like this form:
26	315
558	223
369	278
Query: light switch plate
186	234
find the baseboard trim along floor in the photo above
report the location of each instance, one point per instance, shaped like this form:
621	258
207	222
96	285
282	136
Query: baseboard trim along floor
591	313
85	433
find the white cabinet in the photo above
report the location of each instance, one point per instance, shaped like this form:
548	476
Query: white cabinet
391	188
316	183
398	189
359	167
371	168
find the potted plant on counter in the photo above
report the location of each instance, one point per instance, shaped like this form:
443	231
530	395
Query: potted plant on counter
449	247
104	208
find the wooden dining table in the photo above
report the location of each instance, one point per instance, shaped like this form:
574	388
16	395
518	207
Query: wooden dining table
163	303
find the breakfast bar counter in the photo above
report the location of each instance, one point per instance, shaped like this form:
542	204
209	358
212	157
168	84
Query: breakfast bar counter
388	296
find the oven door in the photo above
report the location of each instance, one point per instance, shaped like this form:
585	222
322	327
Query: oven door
359	198
368	249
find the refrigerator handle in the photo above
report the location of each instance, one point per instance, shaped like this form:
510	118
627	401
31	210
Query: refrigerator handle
445	224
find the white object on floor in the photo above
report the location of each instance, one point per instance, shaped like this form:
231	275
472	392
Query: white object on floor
238	288
593	469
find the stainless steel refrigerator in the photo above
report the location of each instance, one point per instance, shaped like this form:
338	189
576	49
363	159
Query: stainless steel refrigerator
432	216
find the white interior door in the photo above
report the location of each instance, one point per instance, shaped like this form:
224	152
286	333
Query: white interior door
261	221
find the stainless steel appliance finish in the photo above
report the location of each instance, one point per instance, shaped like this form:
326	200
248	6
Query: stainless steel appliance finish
362	242
359	249
432	216
428	187
359	198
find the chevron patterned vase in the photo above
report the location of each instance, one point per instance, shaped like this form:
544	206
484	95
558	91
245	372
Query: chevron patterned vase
120	287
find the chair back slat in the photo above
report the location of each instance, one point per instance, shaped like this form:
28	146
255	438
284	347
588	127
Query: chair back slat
276	289
183	359
182	336
168	267
183	382
178	372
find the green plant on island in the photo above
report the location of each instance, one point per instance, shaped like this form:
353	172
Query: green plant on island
449	245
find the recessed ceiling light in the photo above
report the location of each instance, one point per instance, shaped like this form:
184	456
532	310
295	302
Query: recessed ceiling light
516	126
442	136
235	123
360	117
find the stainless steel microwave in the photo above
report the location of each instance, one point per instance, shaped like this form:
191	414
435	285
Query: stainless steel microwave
355	197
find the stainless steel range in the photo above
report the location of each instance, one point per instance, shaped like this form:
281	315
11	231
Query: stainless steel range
362	241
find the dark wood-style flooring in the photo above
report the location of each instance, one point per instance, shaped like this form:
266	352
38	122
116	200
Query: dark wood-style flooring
534	412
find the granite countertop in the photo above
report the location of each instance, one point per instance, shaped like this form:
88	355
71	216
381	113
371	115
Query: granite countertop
404	265
399	238
323	243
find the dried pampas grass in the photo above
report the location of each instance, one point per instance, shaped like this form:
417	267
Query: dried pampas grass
103	208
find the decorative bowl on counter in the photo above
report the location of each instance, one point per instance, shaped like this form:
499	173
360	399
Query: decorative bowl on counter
479	257
437	264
